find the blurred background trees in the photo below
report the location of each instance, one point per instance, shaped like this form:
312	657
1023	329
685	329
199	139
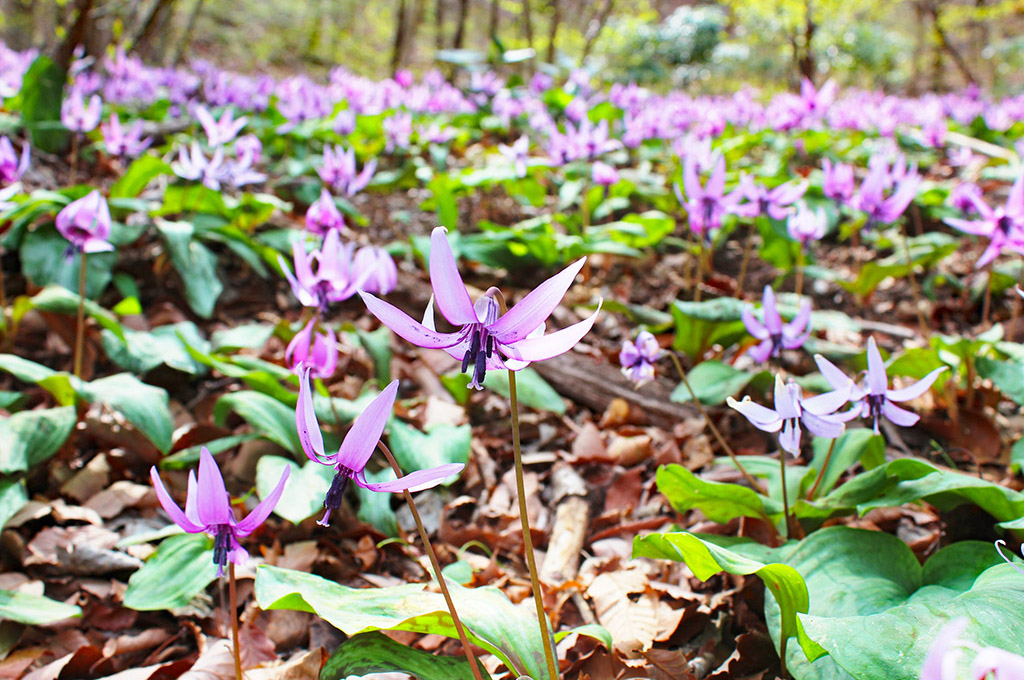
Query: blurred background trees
899	45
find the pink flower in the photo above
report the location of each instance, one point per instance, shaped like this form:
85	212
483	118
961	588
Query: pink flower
76	116
375	268
317	353
11	167
323	215
86	223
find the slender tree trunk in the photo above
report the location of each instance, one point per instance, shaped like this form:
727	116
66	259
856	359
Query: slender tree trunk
399	46
494	21
141	38
186	35
596	26
527	23
948	46
418	12
439	24
75	35
556	18
806	64
460	28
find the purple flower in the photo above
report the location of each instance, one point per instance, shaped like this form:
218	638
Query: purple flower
345	122
334	279
76	116
872	199
838	182
707	204
240	172
119	142
964	197
604	174
638	359
791	409
339	171
806	224
249	146
86	224
517	154
350	460
323	215
219	132
434	134
316	352
1004	226
486	338
873	398
776	203
193	165
943	660
397	131
208	509
774	335
11	167
375	268
7	194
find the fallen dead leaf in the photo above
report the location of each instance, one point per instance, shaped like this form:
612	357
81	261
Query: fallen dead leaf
110	502
302	666
632	624
216	662
88	481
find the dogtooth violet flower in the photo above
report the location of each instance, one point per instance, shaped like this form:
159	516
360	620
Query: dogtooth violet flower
872	199
838	181
86	224
334	279
339	171
806	225
775	335
317	352
349	462
517	154
208	509
705	204
943	659
604	174
873	398
219	132
323	215
638	359
119	141
776	203
486	339
375	268
1004	226
791	410
11	166
76	116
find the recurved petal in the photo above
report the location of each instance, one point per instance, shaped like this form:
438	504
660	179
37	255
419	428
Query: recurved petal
761	417
414	481
169	506
546	346
823	426
944	643
212	501
898	416
789	438
753	326
824	404
796	327
835	377
536	307
307	426
760	352
361	440
449	290
772	320
878	382
406	327
260	513
915	390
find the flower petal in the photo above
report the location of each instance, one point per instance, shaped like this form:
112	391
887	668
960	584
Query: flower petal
829	427
546	346
536	307
406	327
449	290
761	417
260	513
306	425
917	389
753	326
169	506
760	352
414	481
212	501
898	416
944	643
772	320
789	438
878	382
824	404
361	440
997	662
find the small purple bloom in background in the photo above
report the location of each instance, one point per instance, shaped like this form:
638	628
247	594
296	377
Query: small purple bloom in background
604	174
806	225
323	215
334	279
219	132
517	154
404	77
637	360
873	398
208	509
397	131
345	122
240	172
350	461
119	142
838	182
317	352
1004	226
375	268
707	204
86	224
792	410
249	146
434	134
76	116
872	199
960	156
964	197
774	335
193	165
776	203
11	166
486	339
943	660
339	171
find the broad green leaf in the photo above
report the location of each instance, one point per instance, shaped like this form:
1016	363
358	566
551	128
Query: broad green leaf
186	457
369	653
44	260
269	417
531	389
12	498
378	345
719	501
142	351
60	300
1008	376
23	369
144	406
374	507
181	569
140	173
42	92
11	401
196	265
30	437
34	610
304	491
492	622
714	381
702	324
247	336
416	451
847	449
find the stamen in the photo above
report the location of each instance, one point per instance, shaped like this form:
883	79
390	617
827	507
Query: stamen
221	547
336	493
474	348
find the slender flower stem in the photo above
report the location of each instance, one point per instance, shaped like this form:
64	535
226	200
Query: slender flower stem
699	276
747	247
821	472
531	562
987	304
785	497
233	615
800	272
80	328
913	282
470	656
714	430
74	156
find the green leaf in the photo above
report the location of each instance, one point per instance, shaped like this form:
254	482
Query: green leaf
30	437
702	324
184	458
706	559
60	300
378	345
140	173
144	406
269	417
181	569
196	264
142	351
12	498
416	451
719	501
34	610
304	491
492	622
714	381
23	369
531	389
1008	376
370	653
42	92
374	507
43	259
849	448
246	336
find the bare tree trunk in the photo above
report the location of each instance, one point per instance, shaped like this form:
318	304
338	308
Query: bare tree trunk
141	39
596	26
399	45
75	35
439	24
556	18
527	23
460	28
948	46
419	10
806	64
494	21
186	35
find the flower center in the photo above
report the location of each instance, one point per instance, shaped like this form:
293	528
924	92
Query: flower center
221	547
336	493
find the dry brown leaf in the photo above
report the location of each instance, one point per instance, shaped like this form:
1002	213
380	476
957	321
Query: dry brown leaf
633	625
216	662
88	481
75	664
629	451
63	513
46	546
110	502
302	666
126	644
589	445
616	414
17	662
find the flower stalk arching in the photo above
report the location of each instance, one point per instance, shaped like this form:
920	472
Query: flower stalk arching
80	325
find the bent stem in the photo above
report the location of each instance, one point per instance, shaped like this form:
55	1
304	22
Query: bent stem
821	472
800	272
987	304
785	497
470	656
545	635
698	278
746	260
714	430
233	603
80	328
